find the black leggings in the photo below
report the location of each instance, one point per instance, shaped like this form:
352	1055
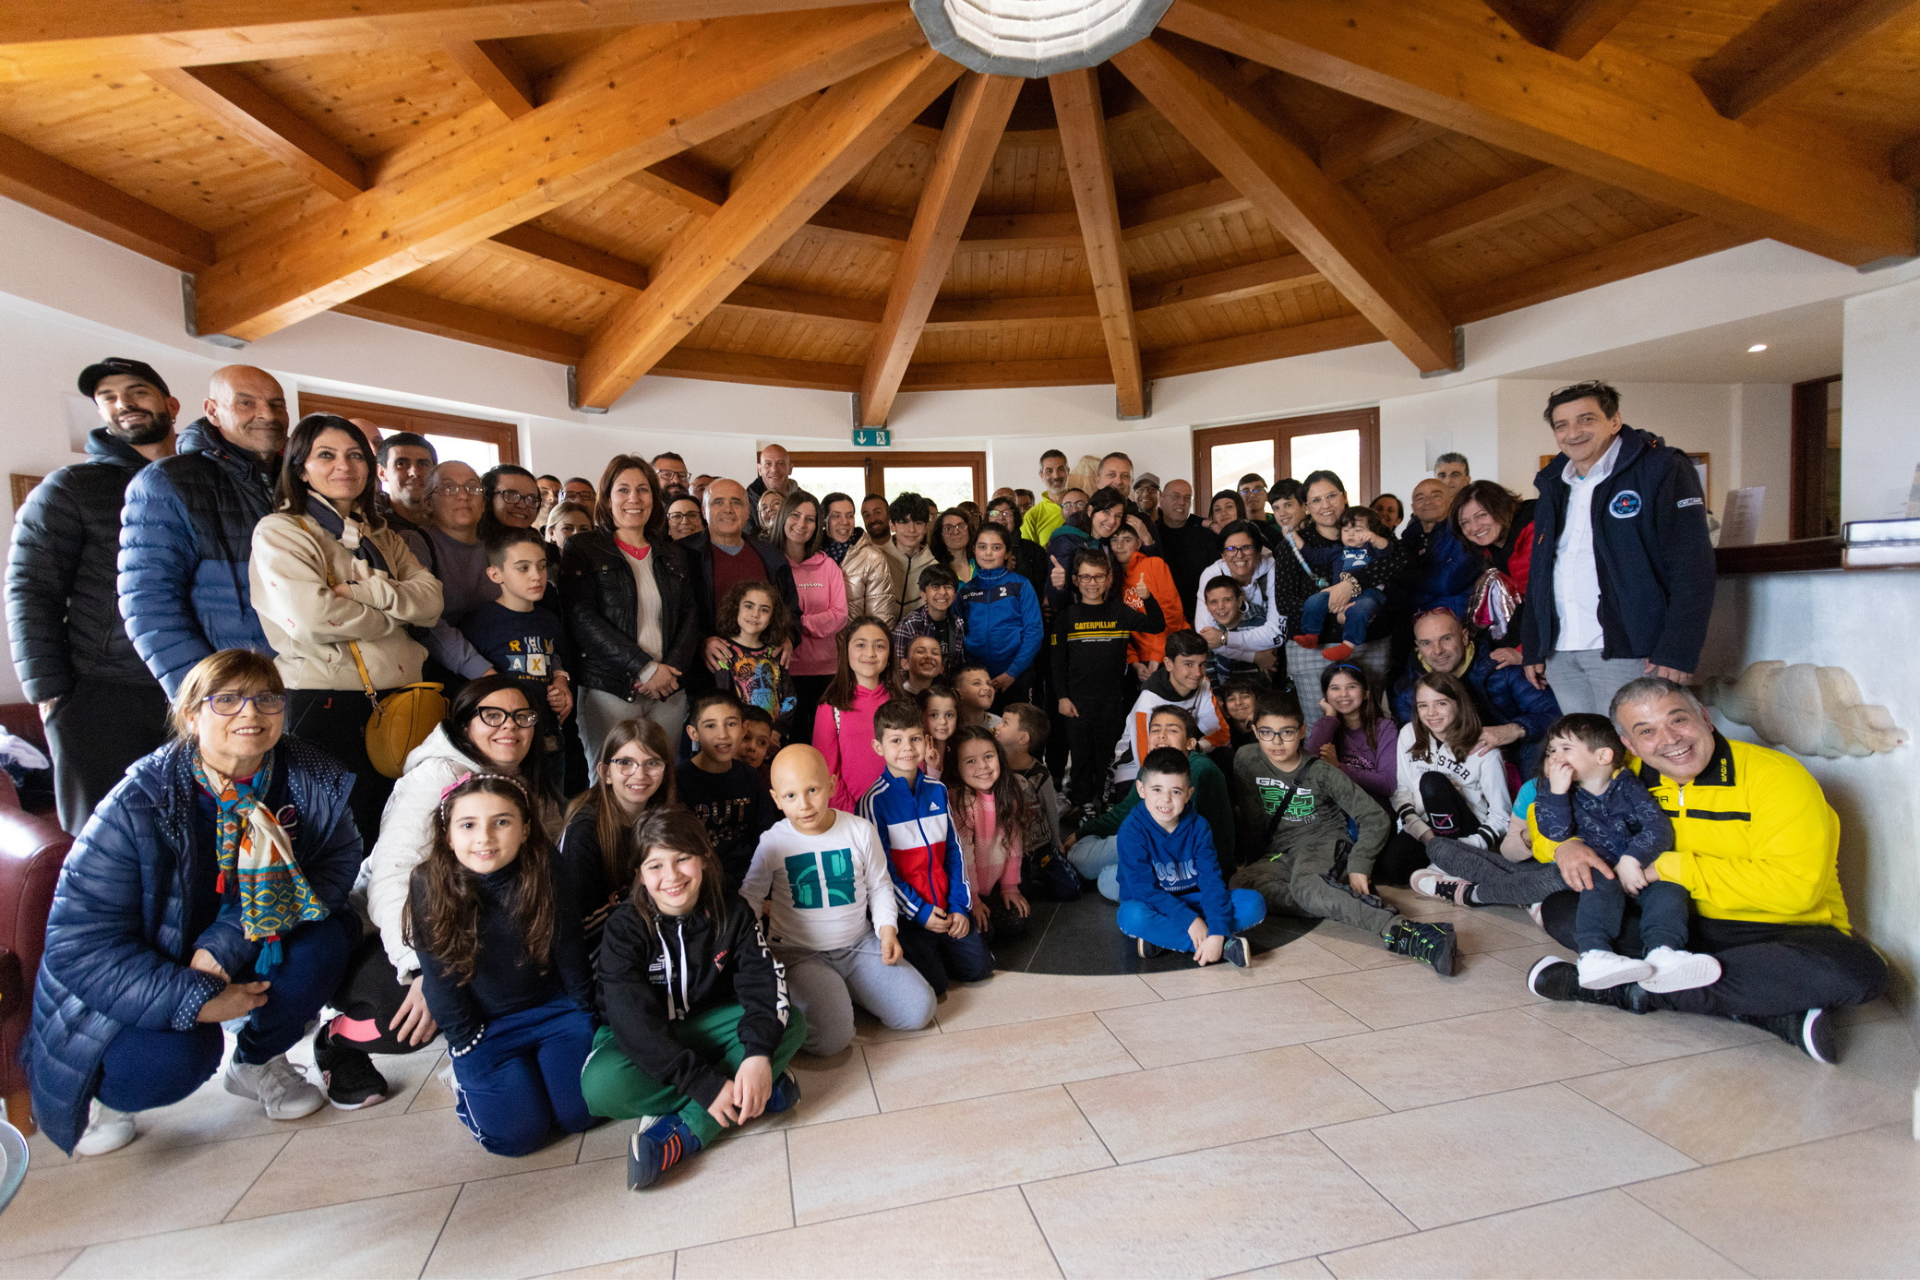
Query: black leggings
335	720
369	995
1091	737
1446	810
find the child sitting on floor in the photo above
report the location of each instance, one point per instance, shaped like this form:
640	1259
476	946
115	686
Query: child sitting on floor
941	706
1592	797
1172	897
1046	873
1096	849
698	1031
757	745
504	974
724	793
989	812
819	874
974	683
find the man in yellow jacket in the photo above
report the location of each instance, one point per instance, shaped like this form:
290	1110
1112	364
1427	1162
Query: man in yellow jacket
1757	845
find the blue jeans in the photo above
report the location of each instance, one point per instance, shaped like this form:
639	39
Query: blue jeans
522	1080
1167	929
146	1069
1360	611
1663	915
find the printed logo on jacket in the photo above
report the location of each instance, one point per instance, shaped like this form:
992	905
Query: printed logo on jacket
1625	505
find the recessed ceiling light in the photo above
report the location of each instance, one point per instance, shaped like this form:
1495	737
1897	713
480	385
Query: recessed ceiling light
1758	346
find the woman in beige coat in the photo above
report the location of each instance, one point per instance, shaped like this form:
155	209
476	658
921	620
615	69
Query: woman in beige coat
328	576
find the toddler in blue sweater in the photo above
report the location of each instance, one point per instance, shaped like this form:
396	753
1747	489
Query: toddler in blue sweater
1172	895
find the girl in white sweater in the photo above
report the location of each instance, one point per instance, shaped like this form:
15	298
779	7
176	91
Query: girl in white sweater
1444	788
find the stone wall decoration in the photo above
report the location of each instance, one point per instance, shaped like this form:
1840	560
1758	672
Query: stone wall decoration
1811	711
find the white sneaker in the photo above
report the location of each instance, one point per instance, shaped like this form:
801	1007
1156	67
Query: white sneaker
1423	880
282	1088
1680	970
1533	913
107	1130
1602	969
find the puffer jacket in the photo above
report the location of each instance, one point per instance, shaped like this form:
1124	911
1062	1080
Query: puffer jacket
136	898
903	574
1004	628
602	606
63	591
869	582
310	627
185	539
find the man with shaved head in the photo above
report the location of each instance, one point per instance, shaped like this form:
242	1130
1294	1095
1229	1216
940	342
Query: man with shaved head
821	876
775	466
725	555
187	531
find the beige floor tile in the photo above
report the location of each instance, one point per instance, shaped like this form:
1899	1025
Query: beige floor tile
1022	997
1415	906
92	1201
1651	1037
1478	931
37	1266
1843	1207
1524	958
989	1234
1301	958
383	1157
1740	1102
1429	1062
1505	1151
1217	1101
1210	1212
1881	1010
655	1266
909	1157
1003	1059
1357	947
433	1095
1604	1234
870	1030
1298	1269
389	1236
583	1215
1231	1022
1882	1051
1383	998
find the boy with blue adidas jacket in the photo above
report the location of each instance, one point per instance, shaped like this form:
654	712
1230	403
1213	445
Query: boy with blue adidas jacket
909	812
1172	896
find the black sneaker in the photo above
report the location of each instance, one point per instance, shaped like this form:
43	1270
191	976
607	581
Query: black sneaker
1552	978
785	1095
1235	952
1810	1031
352	1080
1147	950
1424	941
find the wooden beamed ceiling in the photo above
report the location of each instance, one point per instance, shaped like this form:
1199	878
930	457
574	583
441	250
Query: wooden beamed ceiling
800	193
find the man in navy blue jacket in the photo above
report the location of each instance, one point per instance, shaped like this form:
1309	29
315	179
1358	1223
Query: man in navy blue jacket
1623	573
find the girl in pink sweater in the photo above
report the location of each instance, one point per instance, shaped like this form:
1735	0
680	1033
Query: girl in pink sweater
989	810
843	725
822	590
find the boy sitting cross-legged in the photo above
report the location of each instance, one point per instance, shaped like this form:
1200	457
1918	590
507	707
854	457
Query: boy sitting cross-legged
1172	897
909	813
1293	826
818	874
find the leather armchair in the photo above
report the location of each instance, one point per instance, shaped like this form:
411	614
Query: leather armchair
32	851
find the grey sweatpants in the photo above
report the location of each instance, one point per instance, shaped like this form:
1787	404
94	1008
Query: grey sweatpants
1495	880
1292	886
825	985
1582	680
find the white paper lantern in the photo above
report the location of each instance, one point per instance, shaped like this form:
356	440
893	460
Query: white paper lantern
1035	38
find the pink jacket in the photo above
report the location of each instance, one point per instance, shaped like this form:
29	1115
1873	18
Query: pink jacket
989	859
845	738
822	588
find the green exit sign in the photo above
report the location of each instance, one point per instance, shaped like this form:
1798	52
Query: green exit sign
872	437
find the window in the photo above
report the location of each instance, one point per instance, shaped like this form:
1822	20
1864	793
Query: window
1346	443
478	442
947	478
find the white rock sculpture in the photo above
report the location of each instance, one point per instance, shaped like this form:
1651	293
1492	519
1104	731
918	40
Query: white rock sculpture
1811	711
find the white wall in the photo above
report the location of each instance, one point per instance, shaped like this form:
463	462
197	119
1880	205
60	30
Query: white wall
1881	422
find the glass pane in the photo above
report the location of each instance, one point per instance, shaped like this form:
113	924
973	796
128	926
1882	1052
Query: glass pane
1335	451
948	486
821	481
478	454
1231	461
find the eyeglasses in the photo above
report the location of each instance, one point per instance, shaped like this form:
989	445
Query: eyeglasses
1276	735
1091	577
682	515
1071	507
516	499
494	717
471	490
1246	550
229	704
1248	490
624	766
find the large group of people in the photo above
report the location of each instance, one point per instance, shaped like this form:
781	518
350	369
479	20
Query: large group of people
706	766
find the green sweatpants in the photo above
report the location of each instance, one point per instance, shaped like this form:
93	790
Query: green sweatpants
615	1088
1292	886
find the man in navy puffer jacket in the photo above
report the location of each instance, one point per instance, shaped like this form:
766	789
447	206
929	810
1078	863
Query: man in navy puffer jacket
187	531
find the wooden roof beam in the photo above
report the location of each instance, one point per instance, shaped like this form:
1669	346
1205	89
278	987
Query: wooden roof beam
808	157
961	160
244	107
1270	344
1083	139
1649	251
1375	140
81	200
1233	284
1319	217
1572	30
718	76
491	67
1491	210
423	312
1634	123
1787	44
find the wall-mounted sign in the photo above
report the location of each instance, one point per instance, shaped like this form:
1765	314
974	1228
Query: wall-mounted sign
872	437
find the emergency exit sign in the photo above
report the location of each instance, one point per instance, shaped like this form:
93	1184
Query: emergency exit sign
872	437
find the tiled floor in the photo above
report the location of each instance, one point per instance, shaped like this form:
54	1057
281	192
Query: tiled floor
1330	1111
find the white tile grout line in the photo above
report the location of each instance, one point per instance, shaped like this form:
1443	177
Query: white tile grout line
441	1233
1021	1188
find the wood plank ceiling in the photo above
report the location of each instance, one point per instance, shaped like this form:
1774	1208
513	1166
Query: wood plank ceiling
800	193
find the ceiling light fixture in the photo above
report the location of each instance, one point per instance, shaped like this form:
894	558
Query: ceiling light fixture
1035	38
1758	346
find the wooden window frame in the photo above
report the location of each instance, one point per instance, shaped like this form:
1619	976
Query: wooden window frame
504	436
1282	431
1807	474
875	466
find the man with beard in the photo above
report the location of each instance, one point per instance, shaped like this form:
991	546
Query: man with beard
187	533
102	707
405	459
873	515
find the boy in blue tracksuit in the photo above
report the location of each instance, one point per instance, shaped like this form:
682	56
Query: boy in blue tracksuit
909	812
1172	896
1004	627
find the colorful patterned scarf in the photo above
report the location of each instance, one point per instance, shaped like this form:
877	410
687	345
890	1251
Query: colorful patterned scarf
255	855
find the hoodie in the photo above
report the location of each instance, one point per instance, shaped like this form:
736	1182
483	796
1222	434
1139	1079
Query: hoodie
1146	577
1159	692
655	970
1004	628
1173	870
1211	800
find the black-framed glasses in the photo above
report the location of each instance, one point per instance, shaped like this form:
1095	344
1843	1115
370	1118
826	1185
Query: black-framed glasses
1238	551
494	717
1276	735
514	498
229	704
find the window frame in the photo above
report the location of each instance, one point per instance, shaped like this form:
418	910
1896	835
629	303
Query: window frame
1282	431
875	464
504	436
